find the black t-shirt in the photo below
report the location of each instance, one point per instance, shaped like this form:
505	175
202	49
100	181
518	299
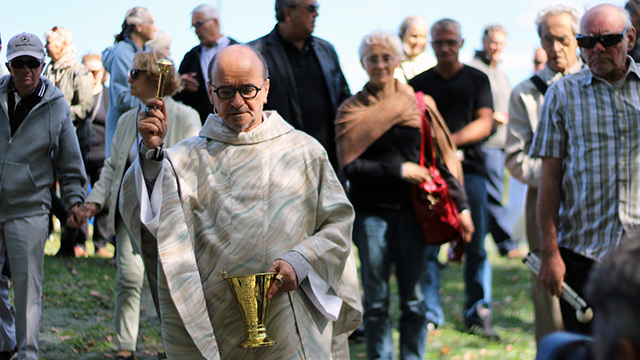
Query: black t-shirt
458	99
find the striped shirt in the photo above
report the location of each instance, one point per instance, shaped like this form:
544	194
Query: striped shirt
594	127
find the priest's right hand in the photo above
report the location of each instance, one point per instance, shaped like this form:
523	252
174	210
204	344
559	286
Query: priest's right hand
153	123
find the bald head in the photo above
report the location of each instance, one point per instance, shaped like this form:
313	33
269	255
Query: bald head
608	61
239	86
608	14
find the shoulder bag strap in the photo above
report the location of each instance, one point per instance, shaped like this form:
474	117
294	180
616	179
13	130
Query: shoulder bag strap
427	141
540	85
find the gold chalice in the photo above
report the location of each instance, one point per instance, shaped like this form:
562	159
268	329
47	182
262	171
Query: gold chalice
250	293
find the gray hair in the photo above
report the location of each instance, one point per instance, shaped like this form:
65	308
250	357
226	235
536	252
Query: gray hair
493	28
135	16
380	37
446	24
160	43
283	4
613	290
410	21
208	11
265	67
63	34
624	15
557	10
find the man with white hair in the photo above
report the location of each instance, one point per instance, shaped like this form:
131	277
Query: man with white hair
36	137
76	84
557	27
587	137
194	77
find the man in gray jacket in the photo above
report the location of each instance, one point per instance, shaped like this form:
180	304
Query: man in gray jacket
36	137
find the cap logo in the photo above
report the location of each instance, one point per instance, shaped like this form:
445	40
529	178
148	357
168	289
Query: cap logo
24	38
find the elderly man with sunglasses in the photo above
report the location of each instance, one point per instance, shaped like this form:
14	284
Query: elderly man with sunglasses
307	84
36	138
587	137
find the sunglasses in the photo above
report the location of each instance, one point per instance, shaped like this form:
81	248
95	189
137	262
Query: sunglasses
589	42
19	64
311	9
135	73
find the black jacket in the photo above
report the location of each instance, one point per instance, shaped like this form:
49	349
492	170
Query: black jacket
282	92
200	99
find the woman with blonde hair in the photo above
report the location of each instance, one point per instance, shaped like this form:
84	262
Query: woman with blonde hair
378	137
143	80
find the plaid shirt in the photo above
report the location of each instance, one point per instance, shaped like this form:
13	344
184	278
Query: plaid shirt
594	128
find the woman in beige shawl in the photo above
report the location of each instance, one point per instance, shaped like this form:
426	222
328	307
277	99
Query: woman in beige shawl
378	139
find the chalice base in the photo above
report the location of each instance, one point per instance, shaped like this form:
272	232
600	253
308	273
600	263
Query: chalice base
256	338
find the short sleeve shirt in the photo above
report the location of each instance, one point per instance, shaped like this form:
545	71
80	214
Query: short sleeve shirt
458	99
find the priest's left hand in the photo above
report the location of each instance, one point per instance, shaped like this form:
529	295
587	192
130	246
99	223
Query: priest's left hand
284	271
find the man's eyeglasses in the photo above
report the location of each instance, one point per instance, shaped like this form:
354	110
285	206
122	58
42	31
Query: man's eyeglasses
247	92
199	24
589	42
19	64
549	40
441	43
311	9
135	73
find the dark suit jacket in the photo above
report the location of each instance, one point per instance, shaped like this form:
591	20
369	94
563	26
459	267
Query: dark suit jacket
282	93
200	99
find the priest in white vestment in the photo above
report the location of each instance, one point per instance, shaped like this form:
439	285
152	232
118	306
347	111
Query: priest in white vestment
250	194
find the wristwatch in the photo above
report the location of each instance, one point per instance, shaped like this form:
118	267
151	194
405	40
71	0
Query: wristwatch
151	154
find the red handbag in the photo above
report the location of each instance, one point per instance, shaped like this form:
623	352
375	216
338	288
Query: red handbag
432	203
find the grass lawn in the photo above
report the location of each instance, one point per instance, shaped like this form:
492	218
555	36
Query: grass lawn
512	316
78	301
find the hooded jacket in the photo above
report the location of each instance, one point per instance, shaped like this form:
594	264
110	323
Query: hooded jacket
45	141
76	84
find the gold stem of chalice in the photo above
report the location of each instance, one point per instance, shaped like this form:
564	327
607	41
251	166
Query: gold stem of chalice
164	65
250	293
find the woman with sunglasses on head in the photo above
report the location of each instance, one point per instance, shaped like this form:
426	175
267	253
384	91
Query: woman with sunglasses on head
137	29
143	80
378	144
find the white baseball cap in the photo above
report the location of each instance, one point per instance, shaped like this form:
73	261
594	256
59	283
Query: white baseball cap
25	44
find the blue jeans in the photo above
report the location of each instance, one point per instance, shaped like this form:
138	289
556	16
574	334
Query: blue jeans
431	287
497	223
382	239
477	270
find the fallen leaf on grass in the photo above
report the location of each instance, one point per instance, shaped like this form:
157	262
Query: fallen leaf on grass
445	350
65	338
54	330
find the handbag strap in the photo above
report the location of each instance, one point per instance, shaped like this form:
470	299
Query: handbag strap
426	131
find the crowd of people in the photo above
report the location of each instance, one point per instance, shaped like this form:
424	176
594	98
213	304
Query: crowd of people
257	158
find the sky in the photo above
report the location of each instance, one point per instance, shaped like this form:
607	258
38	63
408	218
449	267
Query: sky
341	22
